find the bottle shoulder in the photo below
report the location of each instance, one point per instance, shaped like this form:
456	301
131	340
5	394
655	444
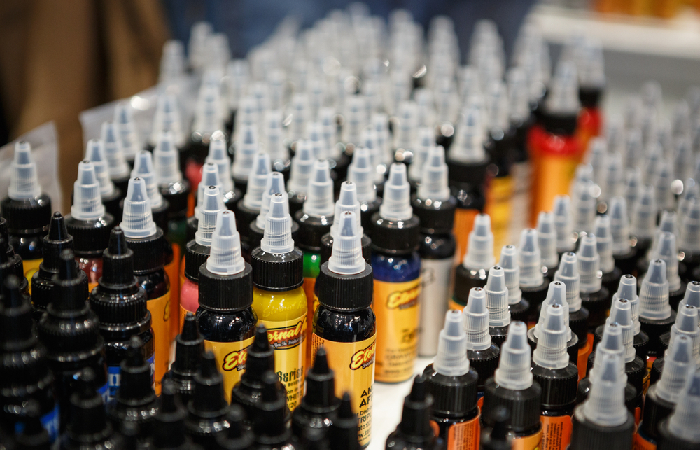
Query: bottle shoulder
344	326
217	326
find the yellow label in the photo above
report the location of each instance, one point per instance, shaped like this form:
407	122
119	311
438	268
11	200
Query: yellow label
230	359
639	443
287	338
396	308
30	267
454	306
160	322
172	269
531	442
464	221
498	206
553	177
556	432
353	364
462	435
311	305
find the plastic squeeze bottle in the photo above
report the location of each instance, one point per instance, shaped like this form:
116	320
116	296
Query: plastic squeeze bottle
555	296
656	317
347	201
273	185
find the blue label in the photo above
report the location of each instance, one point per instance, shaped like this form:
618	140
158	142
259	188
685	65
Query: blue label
114	377
104	392
49	422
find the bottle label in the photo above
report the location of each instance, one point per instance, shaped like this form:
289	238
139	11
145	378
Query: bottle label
160	322
480	400
452	305
114	378
552	176
353	364
582	357
556	432
520	204
49	421
464	221
462	435
640	442
531	442
230	360
30	267
396	308
311	305
436	275
498	206
288	339
173	270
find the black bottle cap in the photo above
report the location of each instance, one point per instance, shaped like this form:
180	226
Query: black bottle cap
277	271
195	255
559	123
435	216
395	237
269	421
149	252
17	332
238	436
34	436
90	237
168	430
225	292
244	217
29	216
656	409
343	432
136	388
56	241
189	348
669	441
484	363
208	400
345	292
587	435
524	405
655	329
466	173
69	325
558	386
177	194
260	359
320	387
496	437
327	248
118	299
416	414
466	279
87	421
589	96
453	396
311	231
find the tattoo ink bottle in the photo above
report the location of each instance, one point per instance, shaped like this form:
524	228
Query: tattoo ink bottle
319	407
602	420
518	307
512	386
604	246
533	284
482	354
88	223
663	396
270	419
415	429
667	250
121	305
273	186
686	325
70	331
344	323
279	301
147	242
563	225
315	220
680	430
655	313
116	162
23	365
226	317
347	201
556	295
135	400
479	258
26	209
467	164
547	240
594	296
361	173
245	150
453	387
569	274
168	425
189	348
396	265
110	196
249	206
198	249
42	281
260	359
435	208
301	170
643	221
88	427
557	377
342	432
623	253
496	299
206	411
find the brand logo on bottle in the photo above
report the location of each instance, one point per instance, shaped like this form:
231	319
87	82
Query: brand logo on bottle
287	337
235	360
363	358
403	299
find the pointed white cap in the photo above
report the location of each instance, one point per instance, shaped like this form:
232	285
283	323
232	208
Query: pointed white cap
469	138
300	111
547	239
124	121
610	344
246	149
678	362
24	181
424	143
653	295
434	184
604	243
562	94
692	295
619	226
346	257
116	162
218	155
314	133
166	163
683	422
143	168
210	177
137	218
302	167
278	226
643	221
361	172
381	134
529	259
556	295
397	201
627	290
553	334
509	263
497	298
621	314
208	212
687	325
257	179
589	264
347	201
689	239
514	365
273	186
319	192
667	250
568	273
451	359
662	181
605	405
476	320
584	205
95	153
225	255
87	203
563	224
327	117
633	188
480	248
